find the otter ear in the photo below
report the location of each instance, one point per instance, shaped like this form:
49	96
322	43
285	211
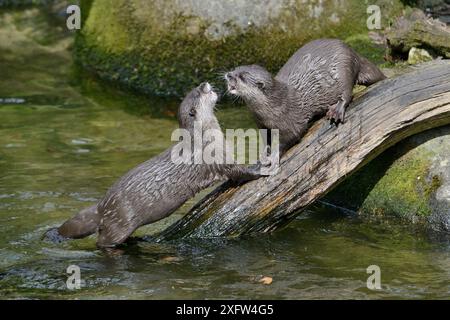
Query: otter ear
192	112
260	85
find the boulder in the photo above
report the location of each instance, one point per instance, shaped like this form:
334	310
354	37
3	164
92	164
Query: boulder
417	30
410	181
416	56
165	47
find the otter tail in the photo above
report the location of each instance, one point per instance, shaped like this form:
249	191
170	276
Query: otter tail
79	226
368	73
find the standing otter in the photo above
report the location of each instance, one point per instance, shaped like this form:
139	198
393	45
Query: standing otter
317	80
156	188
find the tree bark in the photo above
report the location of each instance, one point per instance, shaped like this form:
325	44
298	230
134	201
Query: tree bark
386	113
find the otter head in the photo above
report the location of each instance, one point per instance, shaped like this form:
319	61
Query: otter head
198	105
249	82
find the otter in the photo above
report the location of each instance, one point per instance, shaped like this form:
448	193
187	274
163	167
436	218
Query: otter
156	188
317	80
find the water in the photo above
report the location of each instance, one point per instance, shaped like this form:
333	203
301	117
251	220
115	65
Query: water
64	139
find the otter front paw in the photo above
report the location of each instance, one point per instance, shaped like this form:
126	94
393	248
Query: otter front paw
260	169
266	159
268	166
335	116
336	113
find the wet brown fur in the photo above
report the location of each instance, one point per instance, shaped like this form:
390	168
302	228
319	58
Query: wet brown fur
317	80
156	188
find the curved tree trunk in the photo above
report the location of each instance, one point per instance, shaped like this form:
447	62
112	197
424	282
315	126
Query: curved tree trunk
385	114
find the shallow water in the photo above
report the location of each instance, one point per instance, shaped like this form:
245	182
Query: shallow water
64	139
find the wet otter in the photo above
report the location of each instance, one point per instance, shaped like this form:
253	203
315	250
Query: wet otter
156	188
317	80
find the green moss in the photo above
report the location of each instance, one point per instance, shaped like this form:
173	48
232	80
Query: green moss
128	43
401	190
365	47
392	184
432	187
23	3
398	65
104	27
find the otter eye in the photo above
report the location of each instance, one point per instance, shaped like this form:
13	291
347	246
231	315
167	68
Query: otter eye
260	85
192	112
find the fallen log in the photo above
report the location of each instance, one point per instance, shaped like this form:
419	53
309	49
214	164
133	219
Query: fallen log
385	114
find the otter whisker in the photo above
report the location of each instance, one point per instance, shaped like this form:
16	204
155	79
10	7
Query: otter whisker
317	80
220	75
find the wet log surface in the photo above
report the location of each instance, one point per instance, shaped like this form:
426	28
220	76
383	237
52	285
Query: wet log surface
383	115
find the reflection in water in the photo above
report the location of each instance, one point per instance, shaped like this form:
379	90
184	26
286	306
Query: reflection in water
71	137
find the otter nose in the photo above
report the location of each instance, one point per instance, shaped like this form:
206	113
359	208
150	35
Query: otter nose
206	87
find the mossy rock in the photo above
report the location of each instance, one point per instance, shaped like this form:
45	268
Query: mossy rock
410	181
166	47
417	56
24	3
416	30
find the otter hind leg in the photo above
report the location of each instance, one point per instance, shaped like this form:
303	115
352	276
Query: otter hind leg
369	73
112	236
114	231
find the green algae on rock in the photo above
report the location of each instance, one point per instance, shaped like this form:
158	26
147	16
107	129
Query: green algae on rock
165	47
22	3
416	30
410	180
416	56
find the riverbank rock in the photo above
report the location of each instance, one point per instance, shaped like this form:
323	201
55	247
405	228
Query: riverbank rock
26	3
411	180
438	9
166	47
416	56
416	30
